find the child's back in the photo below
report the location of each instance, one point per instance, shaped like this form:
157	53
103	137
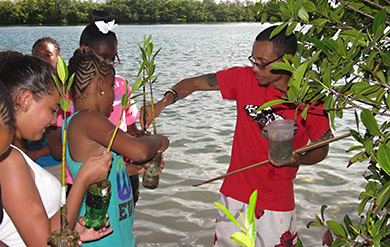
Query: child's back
89	132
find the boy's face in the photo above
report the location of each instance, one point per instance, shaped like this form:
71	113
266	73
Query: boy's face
262	52
47	51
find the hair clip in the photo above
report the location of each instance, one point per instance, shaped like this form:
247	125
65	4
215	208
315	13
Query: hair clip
105	27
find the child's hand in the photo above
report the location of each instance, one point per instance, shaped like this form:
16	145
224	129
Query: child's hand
90	234
133	169
96	168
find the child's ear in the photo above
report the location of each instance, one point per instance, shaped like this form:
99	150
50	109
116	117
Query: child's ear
26	100
100	85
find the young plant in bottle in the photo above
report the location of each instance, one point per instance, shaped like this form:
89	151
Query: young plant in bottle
151	176
63	237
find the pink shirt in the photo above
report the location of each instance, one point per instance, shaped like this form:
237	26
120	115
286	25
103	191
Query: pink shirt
130	115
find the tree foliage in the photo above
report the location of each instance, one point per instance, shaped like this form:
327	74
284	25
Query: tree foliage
125	11
343	59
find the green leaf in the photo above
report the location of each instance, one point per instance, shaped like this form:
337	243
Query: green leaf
331	43
70	82
320	45
370	122
62	69
291	28
304	112
312	223
272	103
250	216
336	228
383	158
323	207
282	66
241	239
379	19
278	29
57	84
302	13
383	195
310	6
228	214
125	100
362	205
137	84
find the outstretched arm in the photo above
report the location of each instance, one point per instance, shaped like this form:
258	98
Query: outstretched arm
182	89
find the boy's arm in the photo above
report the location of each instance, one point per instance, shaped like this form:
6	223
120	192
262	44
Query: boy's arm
207	82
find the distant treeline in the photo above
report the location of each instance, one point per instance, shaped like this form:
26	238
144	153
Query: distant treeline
56	12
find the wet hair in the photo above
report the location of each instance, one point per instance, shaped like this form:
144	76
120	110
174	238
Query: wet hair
47	39
28	73
282	44
91	34
85	64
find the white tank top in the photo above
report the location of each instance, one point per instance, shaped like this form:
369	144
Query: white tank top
49	189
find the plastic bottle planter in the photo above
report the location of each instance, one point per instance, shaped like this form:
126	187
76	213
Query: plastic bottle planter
281	139
68	238
152	173
96	204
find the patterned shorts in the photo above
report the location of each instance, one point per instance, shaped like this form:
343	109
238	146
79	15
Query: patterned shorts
274	229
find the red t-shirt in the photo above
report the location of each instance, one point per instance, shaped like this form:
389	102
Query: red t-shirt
274	185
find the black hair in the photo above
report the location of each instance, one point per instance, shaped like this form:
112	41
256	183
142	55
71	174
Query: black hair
282	44
91	34
28	73
85	64
7	118
47	39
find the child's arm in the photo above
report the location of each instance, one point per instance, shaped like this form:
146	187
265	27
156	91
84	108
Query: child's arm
90	132
24	205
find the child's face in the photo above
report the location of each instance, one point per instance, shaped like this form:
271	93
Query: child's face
6	137
31	124
107	50
47	51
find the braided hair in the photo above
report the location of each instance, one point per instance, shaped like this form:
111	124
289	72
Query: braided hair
85	64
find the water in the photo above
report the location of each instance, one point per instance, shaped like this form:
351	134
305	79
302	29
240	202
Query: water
201	128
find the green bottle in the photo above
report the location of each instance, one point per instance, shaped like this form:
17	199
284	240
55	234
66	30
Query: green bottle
96	204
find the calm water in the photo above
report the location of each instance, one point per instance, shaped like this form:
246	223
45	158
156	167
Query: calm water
201	130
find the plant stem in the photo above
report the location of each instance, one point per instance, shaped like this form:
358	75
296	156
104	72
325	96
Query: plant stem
152	103
115	131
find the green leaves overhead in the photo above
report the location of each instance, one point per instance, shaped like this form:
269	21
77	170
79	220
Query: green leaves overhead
343	60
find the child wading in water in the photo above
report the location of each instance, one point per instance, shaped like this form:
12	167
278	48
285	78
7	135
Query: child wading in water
31	194
90	131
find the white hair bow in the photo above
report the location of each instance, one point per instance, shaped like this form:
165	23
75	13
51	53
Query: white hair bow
105	27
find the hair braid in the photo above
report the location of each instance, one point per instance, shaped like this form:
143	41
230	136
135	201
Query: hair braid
85	64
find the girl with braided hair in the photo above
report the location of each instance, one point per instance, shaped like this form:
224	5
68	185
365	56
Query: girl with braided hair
89	133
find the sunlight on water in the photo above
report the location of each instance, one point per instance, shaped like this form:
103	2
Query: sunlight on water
200	129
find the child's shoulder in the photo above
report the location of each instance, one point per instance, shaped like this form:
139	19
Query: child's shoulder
88	117
12	159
